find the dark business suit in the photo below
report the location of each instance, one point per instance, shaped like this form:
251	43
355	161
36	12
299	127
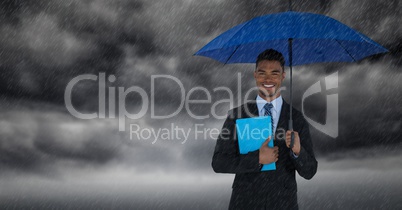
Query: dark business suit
253	189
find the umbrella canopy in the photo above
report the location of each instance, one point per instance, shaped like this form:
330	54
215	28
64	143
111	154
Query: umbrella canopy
316	39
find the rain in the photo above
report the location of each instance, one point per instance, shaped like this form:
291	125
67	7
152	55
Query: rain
51	158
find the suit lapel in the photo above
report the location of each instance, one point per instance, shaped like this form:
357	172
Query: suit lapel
251	110
283	118
283	122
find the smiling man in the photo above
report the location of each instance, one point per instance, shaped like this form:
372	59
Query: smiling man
253	188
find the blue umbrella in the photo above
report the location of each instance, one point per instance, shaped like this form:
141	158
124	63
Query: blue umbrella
303	38
315	39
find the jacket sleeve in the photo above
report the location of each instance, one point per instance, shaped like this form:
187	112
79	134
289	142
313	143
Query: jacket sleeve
226	158
305	163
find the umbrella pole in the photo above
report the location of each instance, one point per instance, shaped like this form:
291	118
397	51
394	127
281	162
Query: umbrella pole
292	137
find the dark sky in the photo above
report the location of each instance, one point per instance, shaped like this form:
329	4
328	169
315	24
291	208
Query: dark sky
45	44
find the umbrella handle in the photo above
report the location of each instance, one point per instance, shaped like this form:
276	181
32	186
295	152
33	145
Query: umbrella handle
292	139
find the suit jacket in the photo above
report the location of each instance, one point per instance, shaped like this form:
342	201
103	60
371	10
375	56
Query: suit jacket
253	189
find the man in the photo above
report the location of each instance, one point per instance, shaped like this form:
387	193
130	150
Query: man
253	188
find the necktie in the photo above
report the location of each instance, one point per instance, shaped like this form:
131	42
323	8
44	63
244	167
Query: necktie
268	112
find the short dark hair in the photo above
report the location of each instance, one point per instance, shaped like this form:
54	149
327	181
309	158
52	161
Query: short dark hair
271	55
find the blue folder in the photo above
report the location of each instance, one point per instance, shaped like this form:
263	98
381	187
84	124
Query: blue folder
251	134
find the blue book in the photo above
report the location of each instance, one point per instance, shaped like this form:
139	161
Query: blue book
252	133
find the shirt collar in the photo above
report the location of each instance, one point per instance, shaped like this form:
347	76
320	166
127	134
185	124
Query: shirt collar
277	103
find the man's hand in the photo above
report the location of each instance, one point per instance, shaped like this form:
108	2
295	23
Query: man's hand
296	145
267	154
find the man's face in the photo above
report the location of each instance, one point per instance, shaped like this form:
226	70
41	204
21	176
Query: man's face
268	77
